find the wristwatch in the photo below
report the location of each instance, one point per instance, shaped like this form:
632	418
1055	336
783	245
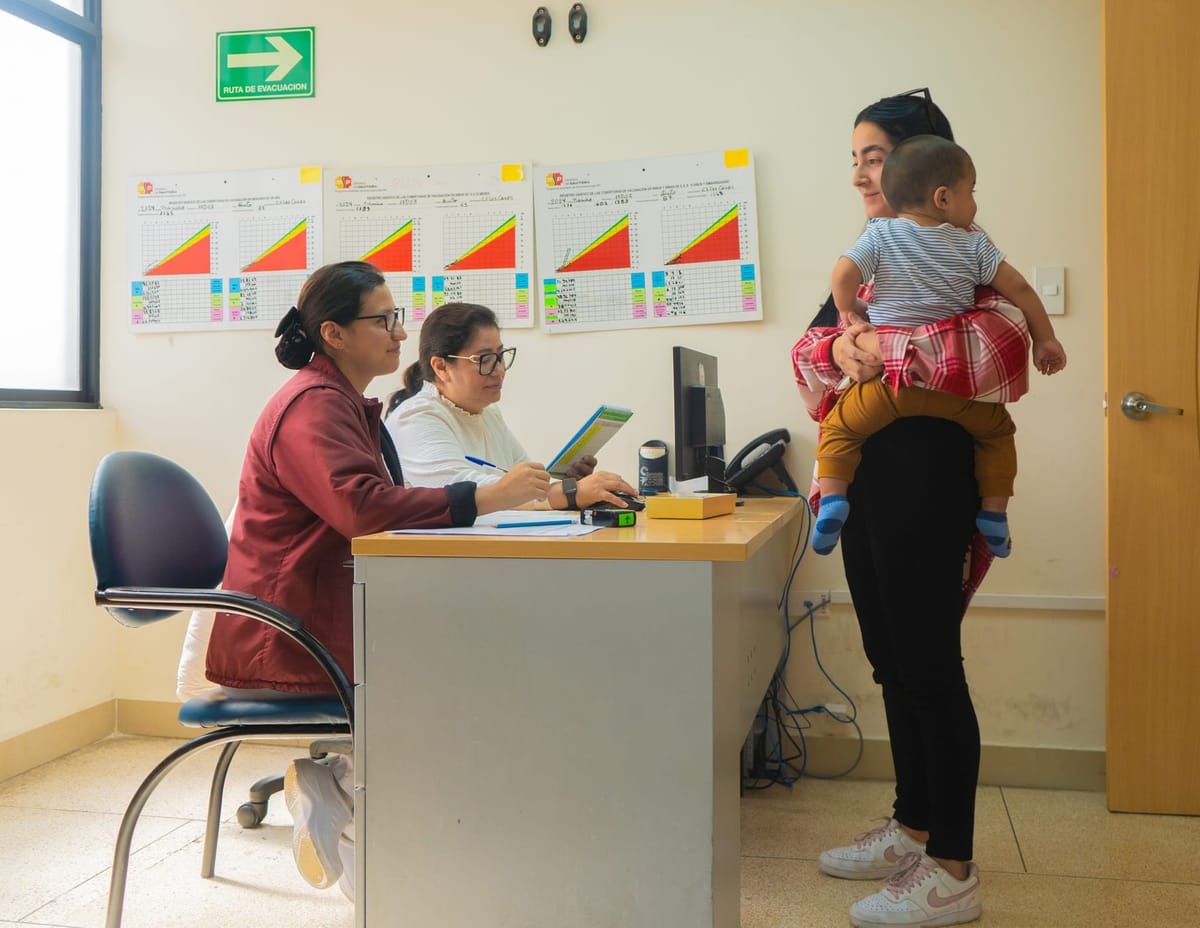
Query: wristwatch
569	486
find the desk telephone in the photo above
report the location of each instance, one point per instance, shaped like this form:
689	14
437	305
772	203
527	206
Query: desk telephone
761	454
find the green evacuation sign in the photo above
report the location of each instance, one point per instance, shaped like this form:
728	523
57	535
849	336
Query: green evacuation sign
266	64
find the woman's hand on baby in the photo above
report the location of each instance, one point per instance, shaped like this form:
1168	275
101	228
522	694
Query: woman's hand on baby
852	352
1049	356
523	483
600	485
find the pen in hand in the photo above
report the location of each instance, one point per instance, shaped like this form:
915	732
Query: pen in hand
482	463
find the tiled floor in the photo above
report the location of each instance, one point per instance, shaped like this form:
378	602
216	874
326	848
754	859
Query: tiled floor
1048	859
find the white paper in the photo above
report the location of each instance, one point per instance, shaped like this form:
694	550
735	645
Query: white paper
525	521
440	234
221	251
650	242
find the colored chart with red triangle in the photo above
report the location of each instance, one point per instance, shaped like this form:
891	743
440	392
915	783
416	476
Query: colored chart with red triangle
497	250
395	253
608	252
290	253
192	257
719	242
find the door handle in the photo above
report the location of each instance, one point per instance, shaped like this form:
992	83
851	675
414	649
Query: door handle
1136	406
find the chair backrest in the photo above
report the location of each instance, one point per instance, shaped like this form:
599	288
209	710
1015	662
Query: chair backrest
152	524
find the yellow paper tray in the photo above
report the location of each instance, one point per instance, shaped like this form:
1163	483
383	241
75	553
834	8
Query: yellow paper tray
667	506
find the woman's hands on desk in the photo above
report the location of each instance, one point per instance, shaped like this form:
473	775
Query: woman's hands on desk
596	486
524	482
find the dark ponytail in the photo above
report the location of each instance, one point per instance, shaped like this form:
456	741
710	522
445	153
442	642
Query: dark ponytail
293	350
334	293
447	330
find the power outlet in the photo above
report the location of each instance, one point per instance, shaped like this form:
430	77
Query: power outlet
820	600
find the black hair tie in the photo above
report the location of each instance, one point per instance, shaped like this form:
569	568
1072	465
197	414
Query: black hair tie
290	319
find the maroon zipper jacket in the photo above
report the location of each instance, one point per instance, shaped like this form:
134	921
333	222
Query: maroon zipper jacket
313	478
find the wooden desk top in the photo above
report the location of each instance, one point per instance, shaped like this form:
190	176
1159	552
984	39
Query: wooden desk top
733	537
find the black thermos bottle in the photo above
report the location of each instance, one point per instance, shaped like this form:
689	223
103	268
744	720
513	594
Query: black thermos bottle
652	468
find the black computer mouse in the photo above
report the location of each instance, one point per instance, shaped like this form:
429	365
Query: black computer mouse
631	502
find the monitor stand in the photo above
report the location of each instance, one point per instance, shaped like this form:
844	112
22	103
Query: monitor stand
714	468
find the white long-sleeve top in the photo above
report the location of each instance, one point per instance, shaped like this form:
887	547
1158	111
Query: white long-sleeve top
433	436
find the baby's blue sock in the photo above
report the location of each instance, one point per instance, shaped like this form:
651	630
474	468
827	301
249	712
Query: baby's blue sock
831	516
993	526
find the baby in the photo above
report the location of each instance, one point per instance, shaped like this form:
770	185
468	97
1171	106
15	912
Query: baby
926	264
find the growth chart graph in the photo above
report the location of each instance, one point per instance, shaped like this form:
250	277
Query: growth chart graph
594	254
175	284
497	250
664	241
705	274
221	251
194	256
275	255
719	241
440	234
388	240
608	251
481	267
393	253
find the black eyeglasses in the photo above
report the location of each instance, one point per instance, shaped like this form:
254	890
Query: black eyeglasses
488	360
390	319
921	93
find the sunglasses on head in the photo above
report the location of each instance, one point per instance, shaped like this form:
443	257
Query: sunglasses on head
905	104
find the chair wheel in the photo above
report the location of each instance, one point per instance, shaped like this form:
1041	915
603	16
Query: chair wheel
251	814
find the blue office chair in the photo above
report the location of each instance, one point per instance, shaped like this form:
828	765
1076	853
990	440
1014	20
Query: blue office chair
158	548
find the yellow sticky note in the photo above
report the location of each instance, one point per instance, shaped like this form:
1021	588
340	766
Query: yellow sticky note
737	157
310	175
511	172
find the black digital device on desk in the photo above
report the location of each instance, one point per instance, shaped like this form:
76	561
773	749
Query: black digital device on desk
699	413
700	434
632	503
609	515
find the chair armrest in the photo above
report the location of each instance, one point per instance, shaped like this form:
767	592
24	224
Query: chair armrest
123	602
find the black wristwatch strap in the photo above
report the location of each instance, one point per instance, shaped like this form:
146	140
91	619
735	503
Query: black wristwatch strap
569	486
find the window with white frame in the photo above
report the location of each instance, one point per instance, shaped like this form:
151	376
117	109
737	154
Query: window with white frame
50	202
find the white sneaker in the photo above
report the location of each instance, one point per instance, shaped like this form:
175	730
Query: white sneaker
346	880
875	854
922	894
320	810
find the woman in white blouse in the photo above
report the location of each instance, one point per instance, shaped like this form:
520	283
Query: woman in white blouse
447	411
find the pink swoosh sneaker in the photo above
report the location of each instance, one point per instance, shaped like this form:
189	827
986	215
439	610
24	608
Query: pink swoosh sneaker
874	855
921	894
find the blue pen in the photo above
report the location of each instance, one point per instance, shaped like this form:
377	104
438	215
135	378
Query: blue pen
482	463
534	524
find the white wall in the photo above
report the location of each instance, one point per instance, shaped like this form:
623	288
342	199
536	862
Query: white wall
462	80
59	646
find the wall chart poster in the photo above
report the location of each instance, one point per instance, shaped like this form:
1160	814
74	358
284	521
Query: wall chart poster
445	234
651	242
221	251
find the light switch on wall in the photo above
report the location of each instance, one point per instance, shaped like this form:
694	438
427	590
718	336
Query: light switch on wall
1051	285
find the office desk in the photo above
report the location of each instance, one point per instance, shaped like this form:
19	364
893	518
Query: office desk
549	729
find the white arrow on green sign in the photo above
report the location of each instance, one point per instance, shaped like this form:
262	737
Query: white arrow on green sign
266	64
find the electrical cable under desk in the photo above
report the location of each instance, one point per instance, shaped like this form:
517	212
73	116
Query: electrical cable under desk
780	723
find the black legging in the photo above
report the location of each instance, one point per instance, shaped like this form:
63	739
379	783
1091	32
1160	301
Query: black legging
912	512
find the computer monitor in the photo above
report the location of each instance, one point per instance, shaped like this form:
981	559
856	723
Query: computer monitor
699	413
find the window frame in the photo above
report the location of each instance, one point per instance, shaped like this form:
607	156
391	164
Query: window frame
84	31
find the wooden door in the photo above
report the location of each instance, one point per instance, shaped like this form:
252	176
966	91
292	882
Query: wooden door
1152	305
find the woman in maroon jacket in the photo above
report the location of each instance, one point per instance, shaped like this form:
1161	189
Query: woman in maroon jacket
315	475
